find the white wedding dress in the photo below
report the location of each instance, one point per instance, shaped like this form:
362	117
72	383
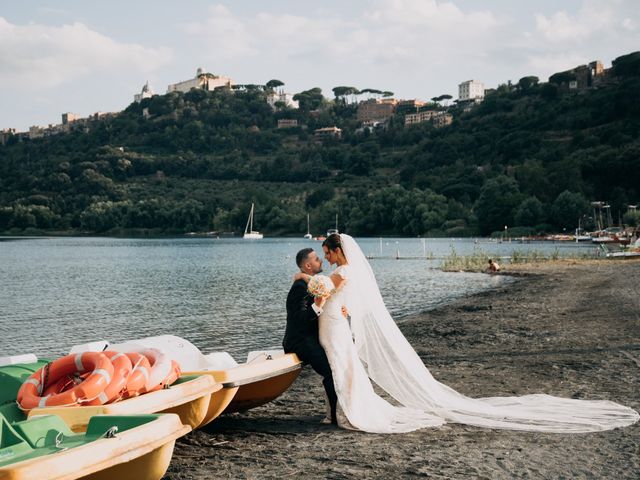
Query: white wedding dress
359	408
373	347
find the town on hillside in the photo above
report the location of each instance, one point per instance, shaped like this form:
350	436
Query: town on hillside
373	112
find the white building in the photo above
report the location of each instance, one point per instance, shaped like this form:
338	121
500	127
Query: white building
470	90
146	92
286	99
203	81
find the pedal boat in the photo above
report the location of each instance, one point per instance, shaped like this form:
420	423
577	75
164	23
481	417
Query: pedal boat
123	447
126	447
188	397
262	378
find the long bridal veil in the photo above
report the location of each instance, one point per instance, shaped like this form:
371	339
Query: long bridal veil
394	365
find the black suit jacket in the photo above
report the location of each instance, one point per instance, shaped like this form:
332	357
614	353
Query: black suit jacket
302	322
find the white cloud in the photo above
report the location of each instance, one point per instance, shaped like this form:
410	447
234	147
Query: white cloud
225	35
592	20
431	14
391	33
547	63
596	31
46	56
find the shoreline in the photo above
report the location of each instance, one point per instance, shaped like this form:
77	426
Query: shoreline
565	328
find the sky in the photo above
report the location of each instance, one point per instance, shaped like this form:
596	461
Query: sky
84	57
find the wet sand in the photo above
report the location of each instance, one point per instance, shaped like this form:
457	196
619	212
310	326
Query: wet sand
570	329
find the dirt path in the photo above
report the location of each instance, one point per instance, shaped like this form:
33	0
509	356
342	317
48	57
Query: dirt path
566	329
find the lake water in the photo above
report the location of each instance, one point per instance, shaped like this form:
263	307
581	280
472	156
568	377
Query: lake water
221	294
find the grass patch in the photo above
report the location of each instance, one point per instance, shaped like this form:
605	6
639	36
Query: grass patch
479	261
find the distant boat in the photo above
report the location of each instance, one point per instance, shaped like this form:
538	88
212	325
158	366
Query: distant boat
308	235
249	233
331	231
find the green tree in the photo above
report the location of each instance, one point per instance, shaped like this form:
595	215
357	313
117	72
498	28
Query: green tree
568	208
309	99
526	83
273	84
627	65
494	208
529	213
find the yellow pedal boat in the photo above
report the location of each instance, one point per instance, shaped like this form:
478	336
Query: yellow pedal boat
263	378
188	397
125	447
137	447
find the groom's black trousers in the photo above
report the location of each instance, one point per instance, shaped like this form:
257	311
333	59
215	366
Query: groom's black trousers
312	353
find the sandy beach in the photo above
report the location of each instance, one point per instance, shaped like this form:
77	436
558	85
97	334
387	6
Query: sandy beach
570	329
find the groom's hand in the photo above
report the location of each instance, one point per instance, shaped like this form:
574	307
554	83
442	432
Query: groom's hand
345	312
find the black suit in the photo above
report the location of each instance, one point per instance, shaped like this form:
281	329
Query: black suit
301	337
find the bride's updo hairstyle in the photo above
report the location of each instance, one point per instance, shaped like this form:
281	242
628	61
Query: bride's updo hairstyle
333	242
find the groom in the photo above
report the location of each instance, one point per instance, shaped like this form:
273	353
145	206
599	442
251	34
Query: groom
301	333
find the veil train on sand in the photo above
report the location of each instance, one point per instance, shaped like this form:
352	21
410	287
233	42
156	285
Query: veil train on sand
392	363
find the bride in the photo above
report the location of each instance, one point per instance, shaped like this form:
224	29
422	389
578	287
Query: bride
373	347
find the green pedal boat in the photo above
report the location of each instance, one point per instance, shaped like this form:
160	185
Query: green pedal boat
111	446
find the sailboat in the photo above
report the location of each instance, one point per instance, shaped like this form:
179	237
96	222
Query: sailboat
308	235
331	231
249	233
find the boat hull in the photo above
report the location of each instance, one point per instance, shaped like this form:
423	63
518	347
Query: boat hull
188	399
141	453
255	394
253	236
252	384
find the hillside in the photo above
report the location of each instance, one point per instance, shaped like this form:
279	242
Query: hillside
531	155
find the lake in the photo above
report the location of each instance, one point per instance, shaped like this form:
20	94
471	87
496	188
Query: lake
221	294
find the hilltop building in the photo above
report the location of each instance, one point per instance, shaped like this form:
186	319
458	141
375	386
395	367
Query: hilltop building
327	132
146	92
471	90
5	134
437	117
203	81
442	120
70	122
69	117
287	123
581	77
375	110
409	106
425	116
285	98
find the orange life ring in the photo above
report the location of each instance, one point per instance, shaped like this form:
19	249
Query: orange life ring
100	367
138	379
164	371
121	370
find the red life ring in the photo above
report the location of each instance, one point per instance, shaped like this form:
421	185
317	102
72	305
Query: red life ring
32	390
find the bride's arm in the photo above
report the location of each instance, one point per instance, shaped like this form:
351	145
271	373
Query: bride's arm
336	278
301	276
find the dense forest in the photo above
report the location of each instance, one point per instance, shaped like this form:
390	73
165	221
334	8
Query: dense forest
531	156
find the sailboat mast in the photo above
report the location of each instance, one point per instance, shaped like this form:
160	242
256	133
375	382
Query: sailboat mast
249	221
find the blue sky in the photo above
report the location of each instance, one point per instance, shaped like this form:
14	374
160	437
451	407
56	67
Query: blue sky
83	57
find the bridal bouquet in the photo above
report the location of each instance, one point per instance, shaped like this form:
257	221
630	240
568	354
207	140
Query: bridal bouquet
320	286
